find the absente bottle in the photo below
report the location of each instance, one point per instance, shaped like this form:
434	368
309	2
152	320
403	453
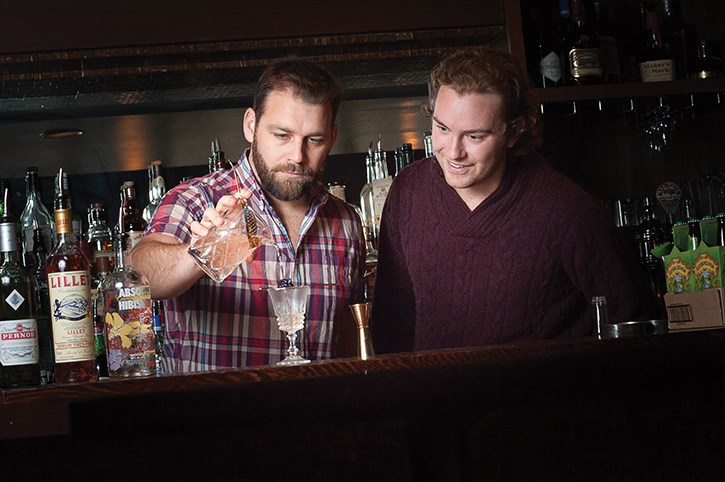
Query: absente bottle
19	351
69	293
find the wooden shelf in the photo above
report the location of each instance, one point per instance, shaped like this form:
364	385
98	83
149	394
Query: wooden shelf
630	89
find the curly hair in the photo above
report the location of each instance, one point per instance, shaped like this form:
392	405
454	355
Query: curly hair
480	70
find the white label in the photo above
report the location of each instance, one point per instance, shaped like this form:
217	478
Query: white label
19	342
70	295
657	70
550	67
15	300
380	193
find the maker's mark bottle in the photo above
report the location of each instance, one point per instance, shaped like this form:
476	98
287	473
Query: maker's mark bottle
69	292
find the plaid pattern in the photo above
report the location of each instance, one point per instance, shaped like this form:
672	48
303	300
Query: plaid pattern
230	324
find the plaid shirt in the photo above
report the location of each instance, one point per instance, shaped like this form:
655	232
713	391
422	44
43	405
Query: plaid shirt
230	324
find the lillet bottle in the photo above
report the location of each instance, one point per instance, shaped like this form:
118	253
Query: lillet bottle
19	351
69	292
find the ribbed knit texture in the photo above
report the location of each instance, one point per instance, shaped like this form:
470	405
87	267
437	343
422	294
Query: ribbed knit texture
523	265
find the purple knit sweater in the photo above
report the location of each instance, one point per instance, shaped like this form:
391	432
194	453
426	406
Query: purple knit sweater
523	265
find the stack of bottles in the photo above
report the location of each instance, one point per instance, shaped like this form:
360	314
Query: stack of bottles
74	309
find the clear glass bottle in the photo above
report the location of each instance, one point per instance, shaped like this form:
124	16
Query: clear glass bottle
35	214
19	350
375	191
216	160
157	189
100	237
69	292
128	315
600	314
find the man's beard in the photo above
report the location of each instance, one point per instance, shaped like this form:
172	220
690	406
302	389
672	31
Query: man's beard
289	190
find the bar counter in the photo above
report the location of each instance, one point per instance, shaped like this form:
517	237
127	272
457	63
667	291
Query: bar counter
647	408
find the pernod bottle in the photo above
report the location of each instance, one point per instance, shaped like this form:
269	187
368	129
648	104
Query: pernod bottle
19	352
128	315
69	292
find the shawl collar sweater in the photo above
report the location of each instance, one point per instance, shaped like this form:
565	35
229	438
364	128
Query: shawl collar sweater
523	265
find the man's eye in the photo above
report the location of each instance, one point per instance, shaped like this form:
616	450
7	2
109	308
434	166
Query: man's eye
315	140
281	136
442	128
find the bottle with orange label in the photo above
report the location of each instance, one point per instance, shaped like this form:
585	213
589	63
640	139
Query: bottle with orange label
69	292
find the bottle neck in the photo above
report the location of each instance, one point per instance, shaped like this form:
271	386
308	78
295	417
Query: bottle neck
8	241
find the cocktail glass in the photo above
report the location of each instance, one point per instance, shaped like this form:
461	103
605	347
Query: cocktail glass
290	305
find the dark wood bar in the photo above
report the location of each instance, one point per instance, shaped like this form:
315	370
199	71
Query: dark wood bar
647	408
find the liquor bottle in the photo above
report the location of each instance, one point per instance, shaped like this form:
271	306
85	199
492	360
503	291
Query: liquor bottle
548	69
583	56
103	268
69	292
608	43
406	155
374	192
19	351
428	143
100	238
706	64
693	234
39	257
649	234
655	61
216	160
128	315
159	321
157	189
720	229
131	221
35	214
677	37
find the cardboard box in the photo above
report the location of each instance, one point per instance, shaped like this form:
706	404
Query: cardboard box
695	311
678	271
707	264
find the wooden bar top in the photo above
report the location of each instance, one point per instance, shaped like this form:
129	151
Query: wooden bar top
584	396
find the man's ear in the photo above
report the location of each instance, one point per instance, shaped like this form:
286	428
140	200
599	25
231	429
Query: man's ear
249	124
513	132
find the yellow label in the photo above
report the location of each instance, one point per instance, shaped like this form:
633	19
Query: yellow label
706	268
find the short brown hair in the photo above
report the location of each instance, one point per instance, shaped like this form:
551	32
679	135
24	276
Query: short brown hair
304	78
479	70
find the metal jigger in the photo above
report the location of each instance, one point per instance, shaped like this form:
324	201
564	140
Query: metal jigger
361	312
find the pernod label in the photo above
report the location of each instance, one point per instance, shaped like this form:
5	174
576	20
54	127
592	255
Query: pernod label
19	342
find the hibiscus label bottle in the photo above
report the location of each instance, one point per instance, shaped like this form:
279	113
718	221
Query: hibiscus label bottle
128	316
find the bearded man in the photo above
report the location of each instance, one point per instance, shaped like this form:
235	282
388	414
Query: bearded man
318	238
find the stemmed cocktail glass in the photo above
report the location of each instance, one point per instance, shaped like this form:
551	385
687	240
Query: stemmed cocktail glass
290	305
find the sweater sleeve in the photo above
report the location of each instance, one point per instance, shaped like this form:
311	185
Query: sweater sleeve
599	263
393	319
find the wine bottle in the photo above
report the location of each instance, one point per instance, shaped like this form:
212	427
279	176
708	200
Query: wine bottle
608	43
19	351
583	55
69	293
677	37
655	61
